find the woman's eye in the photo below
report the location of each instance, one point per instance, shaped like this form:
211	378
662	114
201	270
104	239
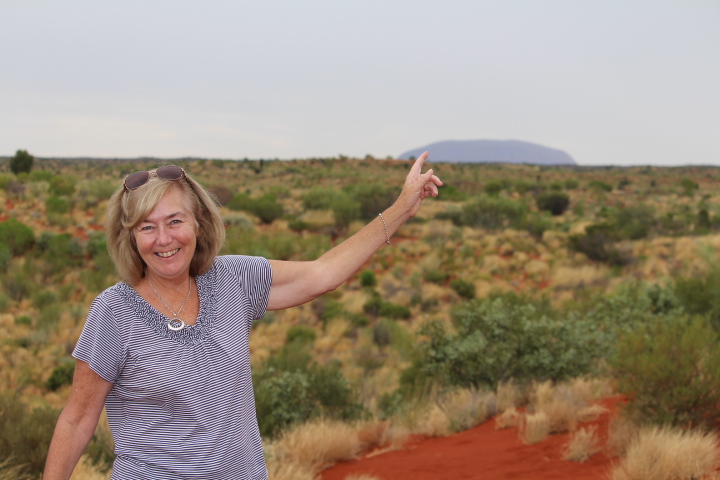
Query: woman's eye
146	228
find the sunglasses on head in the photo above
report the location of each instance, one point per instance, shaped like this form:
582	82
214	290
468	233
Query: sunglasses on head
138	179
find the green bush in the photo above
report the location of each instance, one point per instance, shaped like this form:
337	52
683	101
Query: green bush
345	210
17	285
393	310
450	193
21	162
436	276
25	433
5	256
599	186
372	197
493	213
62	185
670	372
5	180
699	295
287	393
493	187
301	334
537	225
56	204
267	209
41	175
16	235
463	288
240	201
319	198
368	279
554	202
689	187
61	375
499	338
44	298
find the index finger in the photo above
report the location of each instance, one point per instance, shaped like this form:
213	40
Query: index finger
417	166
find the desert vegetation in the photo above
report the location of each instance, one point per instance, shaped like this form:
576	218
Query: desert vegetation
521	293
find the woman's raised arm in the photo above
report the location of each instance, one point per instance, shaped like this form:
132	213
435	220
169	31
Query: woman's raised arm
295	283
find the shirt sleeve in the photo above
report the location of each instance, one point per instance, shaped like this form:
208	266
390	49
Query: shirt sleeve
100	344
255	277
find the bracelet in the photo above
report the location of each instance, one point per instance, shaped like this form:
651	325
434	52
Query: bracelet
387	235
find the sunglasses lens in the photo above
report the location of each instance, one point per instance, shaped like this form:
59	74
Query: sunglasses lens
136	180
169	173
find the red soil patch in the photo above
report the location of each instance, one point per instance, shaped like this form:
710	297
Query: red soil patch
482	453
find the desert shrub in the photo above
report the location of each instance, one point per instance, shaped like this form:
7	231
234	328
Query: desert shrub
49	316
599	244
17	285
518	337
571	184
493	187
463	288
44	298
23	320
436	276
599	186
537	225
688	186
522	186
63	251
25	433
267	209
5	180
670	372
21	162
493	213
554	202
634	222
454	214
451	193
301	334
16	235
62	185
699	295
368	279
287	393
393	310
372	197
5	304
57	204
5	256
319	198
372	306
61	375
41	175
240	201
345	210
298	225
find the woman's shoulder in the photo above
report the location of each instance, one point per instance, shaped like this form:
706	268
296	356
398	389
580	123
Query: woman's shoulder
239	262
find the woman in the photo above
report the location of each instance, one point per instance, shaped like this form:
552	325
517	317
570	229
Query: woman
166	350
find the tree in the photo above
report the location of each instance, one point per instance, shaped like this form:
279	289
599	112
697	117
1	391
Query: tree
21	162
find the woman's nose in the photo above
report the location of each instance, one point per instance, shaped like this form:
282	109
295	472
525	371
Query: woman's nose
163	236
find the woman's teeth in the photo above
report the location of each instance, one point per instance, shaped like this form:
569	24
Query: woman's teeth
168	254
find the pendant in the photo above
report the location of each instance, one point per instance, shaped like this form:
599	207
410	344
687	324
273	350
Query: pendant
172	324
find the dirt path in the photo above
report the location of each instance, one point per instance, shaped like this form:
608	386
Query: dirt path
481	453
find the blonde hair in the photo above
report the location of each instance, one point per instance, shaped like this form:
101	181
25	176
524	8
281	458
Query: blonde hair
128	208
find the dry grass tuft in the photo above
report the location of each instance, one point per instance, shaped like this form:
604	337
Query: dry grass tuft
362	477
435	423
508	395
382	435
583	444
317	444
288	471
85	471
621	434
668	454
590	413
534	428
467	408
8	472
509	418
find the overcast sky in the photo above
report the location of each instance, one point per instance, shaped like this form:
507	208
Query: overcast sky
609	82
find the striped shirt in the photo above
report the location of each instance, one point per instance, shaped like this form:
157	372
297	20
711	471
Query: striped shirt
182	404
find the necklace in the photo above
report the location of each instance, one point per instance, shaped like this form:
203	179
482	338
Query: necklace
172	324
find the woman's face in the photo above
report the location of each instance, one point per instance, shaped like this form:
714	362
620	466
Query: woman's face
166	239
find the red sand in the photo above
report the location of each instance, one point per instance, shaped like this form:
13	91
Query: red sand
482	453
